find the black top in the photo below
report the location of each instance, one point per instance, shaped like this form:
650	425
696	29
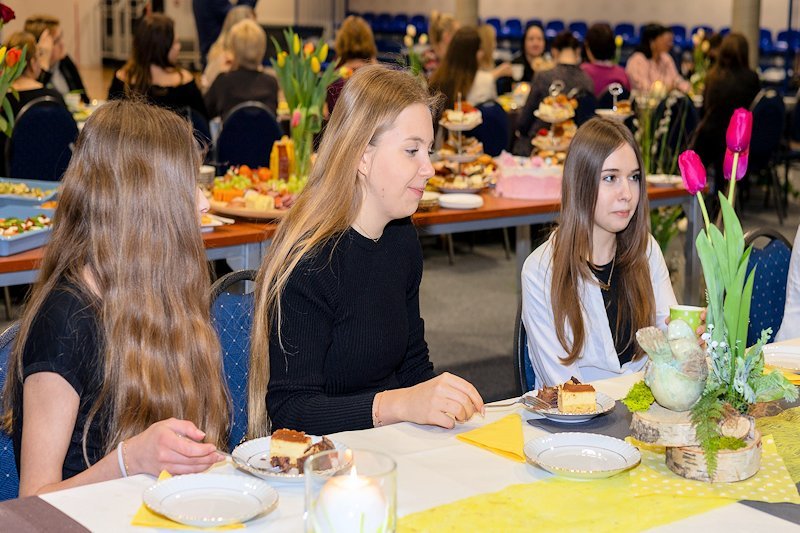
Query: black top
238	86
520	59
175	98
64	339
623	339
351	328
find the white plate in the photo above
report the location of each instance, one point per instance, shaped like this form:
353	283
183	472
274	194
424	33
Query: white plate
460	201
605	404
581	455
610	113
210	500
785	357
252	456
551	119
664	180
460	126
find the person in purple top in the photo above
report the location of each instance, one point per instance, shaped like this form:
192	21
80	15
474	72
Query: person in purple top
600	51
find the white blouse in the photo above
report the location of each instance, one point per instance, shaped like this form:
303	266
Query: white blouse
484	88
790	327
599	359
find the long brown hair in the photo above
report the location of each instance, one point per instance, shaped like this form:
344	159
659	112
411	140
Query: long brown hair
152	41
368	107
457	71
127	219
572	240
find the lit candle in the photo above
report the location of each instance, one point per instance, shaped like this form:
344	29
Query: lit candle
351	503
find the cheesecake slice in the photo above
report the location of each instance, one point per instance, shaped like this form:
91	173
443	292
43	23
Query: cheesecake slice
577	399
286	447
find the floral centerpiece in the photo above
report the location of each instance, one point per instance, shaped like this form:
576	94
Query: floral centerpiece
12	64
305	85
736	379
701	46
413	60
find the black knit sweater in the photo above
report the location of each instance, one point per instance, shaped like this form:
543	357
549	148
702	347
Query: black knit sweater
350	328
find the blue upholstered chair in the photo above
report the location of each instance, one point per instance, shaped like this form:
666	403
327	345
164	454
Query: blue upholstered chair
232	317
769	286
627	31
248	133
578	29
525	376
553	28
9	478
769	114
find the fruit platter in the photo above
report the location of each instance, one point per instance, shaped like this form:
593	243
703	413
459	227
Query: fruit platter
23	228
254	193
26	192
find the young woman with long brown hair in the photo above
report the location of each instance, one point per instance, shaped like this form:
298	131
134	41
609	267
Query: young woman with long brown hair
457	72
337	333
116	369
600	277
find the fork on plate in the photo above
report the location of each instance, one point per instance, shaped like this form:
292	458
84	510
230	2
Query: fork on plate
527	400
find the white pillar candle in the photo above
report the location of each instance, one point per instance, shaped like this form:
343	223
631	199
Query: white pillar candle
351	503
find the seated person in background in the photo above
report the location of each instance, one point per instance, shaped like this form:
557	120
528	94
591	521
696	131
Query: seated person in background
531	54
441	28
600	51
337	331
600	277
566	53
651	61
152	72
28	86
58	70
790	327
484	88
458	73
246	80
354	47
220	56
116	369
730	84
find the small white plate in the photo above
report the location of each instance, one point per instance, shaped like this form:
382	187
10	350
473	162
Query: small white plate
610	113
664	180
605	404
551	119
785	357
252	456
210	500
581	455
460	201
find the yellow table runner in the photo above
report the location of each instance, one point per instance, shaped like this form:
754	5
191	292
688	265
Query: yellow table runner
785	427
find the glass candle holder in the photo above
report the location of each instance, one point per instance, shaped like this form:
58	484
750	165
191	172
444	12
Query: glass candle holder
350	490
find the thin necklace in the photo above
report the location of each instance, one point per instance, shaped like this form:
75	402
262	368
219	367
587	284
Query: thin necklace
607	286
365	234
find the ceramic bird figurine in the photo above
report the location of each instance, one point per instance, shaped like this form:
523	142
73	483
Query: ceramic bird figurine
677	370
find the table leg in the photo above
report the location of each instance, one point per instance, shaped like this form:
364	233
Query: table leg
523	249
692	273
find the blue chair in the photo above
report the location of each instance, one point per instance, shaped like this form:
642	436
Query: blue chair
232	317
494	132
512	29
769	114
707	29
369	17
9	478
248	133
627	31
41	143
420	22
553	28
724	31
769	286
679	34
765	44
496	24
787	41
579	30
522	362
399	24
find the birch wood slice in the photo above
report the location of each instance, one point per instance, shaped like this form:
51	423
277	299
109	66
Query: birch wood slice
661	426
732	465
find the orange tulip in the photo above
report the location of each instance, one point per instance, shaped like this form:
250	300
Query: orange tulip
12	57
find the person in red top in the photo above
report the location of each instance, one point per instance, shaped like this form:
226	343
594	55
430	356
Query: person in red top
600	51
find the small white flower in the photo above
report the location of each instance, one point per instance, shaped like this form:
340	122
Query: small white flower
411	30
408	41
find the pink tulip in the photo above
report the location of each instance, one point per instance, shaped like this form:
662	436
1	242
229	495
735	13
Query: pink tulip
693	171
296	116
741	166
739	131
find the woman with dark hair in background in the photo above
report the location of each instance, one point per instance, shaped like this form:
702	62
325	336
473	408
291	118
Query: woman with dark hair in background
730	84
531	51
600	50
651	61
152	72
457	72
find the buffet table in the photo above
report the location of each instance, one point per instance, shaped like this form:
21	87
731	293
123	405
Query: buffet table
434	468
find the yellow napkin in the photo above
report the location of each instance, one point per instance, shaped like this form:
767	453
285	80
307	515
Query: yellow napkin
602	505
785	428
503	437
793	377
771	484
146	518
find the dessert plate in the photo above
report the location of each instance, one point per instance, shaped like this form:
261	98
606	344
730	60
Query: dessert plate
252	456
581	455
783	356
210	500
460	201
461	126
605	404
610	113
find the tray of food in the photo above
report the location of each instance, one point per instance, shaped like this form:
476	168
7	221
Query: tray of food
26	192
23	228
254	193
463	119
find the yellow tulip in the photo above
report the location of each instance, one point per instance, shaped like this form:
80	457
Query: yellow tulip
296	44
408	41
282	59
2	54
618	41
423	39
323	52
345	72
315	66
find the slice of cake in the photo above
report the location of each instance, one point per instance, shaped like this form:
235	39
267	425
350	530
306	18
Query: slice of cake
322	446
286	447
577	399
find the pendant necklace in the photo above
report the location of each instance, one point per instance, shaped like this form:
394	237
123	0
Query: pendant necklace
365	234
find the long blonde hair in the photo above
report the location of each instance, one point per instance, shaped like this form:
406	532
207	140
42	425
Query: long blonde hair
572	240
223	43
127	218
368	107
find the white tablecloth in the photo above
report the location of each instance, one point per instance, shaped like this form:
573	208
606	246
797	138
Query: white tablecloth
433	468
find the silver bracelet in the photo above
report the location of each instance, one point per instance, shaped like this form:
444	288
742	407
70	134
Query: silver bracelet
121	461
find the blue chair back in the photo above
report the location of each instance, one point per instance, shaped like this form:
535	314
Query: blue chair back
679	36
420	23
41	143
769	114
248	133
512	29
553	28
9	478
495	131
495	23
627	31
578	29
522	362
769	285
765	43
232	317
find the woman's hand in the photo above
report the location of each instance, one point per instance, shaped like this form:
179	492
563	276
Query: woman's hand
172	445
503	70
440	401
44	49
701	329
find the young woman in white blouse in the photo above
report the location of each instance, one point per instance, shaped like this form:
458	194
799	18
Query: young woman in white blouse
600	276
